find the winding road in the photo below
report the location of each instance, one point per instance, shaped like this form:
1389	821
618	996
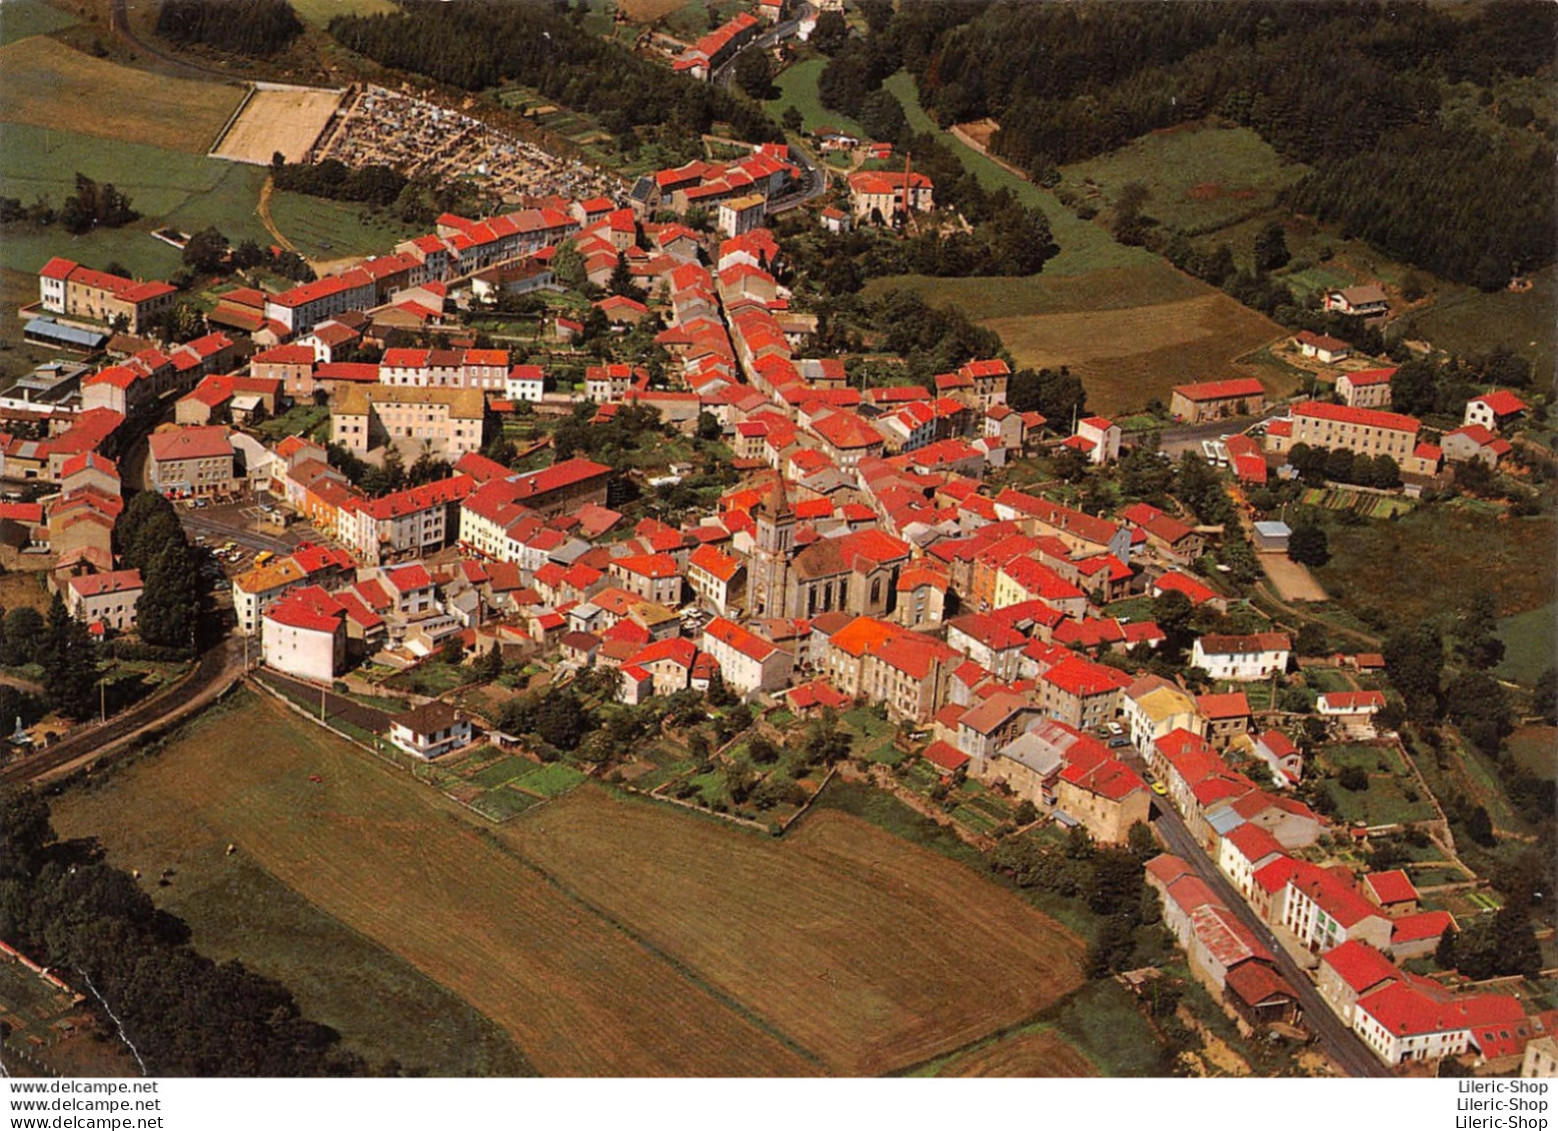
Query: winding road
219	667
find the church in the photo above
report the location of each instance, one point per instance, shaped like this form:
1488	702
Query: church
855	573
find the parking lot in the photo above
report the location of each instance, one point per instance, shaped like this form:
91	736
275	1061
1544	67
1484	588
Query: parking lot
237	532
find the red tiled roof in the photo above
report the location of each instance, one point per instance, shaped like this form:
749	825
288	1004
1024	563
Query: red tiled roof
1502	402
97	584
747	643
204	442
1231	705
1254	842
1353	700
1390	887
1422	925
1077	676
1366	417
713	562
1176	582
1404	1010
945	756
1221	390
1359	965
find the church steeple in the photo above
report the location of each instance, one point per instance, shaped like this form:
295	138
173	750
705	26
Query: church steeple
776	521
769	570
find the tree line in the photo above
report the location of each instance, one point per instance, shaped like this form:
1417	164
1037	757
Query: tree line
185	1015
479	44
240	27
1353	89
91	206
378	185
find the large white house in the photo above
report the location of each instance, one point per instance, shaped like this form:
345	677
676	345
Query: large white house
431	730
747	662
304	634
108	599
1257	656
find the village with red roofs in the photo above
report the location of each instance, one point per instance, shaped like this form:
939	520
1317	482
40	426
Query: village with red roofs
647	492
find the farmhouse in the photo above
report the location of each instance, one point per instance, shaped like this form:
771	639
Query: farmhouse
1402	1021
1367	301
1474	442
1322	347
1096	438
66	287
1257	656
881	197
1494	410
1215	400
1365	388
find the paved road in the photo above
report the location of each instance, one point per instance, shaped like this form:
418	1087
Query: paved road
814	182
1342	1044
1188	437
218	669
218	529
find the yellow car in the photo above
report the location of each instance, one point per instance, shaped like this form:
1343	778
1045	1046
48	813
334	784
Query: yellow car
1160	789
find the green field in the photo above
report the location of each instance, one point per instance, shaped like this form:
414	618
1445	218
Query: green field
798	88
1084	246
1535	750
22	18
320	12
1386	801
1200	177
383	1006
331	229
1000	296
551	780
1530	643
1103	1022
1465	321
1407	568
165	186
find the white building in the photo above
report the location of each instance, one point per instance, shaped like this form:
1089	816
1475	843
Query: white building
525	383
747	662
1257	656
431	730
304	634
109	599
1100	439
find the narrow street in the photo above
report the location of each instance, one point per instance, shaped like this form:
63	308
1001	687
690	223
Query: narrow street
1342	1045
